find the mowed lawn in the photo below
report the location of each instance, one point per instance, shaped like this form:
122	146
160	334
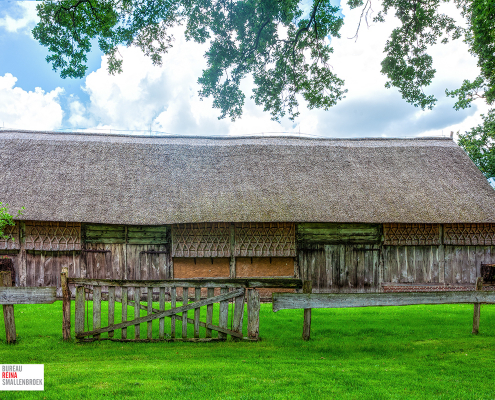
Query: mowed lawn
412	352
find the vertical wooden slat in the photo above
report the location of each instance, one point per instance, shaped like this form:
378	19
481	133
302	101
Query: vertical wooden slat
253	309
65	304
97	309
79	312
161	329
223	318
403	263
238	314
441	263
459	250
477	308
209	312
185	296
8	310
307	313
361	254
149	312
124	310
197	297
137	312
448	250
111	308
173	299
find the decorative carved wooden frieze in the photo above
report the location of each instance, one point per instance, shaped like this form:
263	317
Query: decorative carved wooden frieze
469	234
262	239
12	242
53	236
411	234
201	240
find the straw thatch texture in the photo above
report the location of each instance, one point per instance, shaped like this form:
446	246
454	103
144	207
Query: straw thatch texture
146	181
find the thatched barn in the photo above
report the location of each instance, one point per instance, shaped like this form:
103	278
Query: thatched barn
359	215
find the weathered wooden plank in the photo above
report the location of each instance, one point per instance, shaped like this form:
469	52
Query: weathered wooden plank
79	310
8	309
197	297
185	298
330	233
477	308
253	309
111	308
149	301
223	317
137	311
329	264
471	265
166	313
282	301
124	311
173	299
65	304
441	264
238	314
448	267
360	255
273	283
28	295
209	311
411	263
200	340
403	260
458	263
96	310
161	326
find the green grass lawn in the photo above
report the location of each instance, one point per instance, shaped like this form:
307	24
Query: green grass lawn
367	353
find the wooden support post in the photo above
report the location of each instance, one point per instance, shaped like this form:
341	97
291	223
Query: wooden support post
65	304
307	288
253	309
8	309
79	313
137	311
477	308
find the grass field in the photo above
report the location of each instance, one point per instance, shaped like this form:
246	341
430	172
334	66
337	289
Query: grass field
414	352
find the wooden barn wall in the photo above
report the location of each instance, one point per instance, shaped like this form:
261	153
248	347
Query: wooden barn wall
407	254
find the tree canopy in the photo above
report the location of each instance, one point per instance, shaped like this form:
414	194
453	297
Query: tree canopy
285	48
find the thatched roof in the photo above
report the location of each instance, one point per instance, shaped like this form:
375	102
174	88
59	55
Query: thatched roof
163	180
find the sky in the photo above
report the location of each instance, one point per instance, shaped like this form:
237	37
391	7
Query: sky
165	99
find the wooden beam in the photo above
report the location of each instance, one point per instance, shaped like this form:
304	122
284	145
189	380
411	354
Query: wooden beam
284	301
307	289
65	304
8	309
273	283
477	308
28	295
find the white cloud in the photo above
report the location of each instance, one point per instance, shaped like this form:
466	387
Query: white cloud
26	22
28	110
165	98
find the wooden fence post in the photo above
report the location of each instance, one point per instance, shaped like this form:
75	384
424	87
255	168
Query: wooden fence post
307	288
253	309
8	309
477	308
65	304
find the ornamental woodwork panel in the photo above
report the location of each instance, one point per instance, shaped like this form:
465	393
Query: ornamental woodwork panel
12	242
469	234
53	236
263	239
201	240
411	234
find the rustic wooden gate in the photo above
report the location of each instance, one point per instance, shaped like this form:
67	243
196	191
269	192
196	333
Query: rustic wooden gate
168	293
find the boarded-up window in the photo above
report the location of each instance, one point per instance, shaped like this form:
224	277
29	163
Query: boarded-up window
12	242
263	239
411	234
469	234
201	240
53	236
